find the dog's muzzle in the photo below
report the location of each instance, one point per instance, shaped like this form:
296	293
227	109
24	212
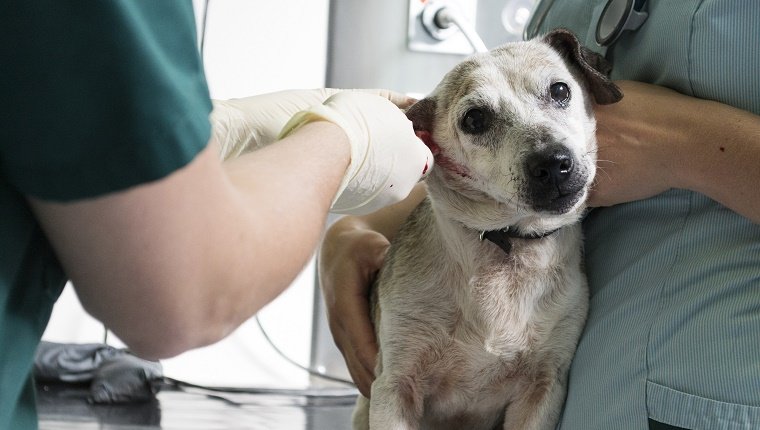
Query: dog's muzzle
555	181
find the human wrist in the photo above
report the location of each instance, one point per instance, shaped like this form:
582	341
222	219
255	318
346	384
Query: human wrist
698	142
331	138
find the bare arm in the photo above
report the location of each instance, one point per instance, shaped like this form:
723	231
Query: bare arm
352	252
656	139
180	262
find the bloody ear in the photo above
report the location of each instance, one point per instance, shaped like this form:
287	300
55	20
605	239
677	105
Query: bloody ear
594	67
421	114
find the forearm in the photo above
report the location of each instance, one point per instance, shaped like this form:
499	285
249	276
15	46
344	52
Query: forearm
286	203
180	262
656	139
721	151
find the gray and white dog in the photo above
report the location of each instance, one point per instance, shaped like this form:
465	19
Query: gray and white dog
480	304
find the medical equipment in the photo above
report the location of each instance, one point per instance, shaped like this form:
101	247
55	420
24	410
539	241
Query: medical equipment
616	17
441	19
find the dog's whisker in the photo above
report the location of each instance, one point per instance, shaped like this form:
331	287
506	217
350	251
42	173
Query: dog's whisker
603	170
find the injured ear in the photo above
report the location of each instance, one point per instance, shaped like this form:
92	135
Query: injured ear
422	114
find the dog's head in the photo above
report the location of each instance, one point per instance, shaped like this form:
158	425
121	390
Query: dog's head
513	133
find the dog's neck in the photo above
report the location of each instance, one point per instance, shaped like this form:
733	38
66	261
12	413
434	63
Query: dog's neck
502	238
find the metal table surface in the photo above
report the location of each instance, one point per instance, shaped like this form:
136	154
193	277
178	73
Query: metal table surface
65	407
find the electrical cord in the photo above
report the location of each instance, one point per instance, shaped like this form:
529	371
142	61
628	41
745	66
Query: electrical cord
309	370
339	395
447	16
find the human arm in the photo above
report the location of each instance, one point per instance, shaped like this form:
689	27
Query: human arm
378	175
352	252
245	124
180	262
656	139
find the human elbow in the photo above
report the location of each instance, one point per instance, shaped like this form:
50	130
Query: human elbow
168	325
171	337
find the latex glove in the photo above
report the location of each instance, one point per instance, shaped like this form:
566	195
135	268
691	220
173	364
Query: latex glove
244	124
387	158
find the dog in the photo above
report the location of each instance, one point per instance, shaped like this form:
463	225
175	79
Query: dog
480	303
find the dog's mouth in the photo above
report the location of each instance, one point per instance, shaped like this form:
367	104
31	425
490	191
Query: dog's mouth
558	202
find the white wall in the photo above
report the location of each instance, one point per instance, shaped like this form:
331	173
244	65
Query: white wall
251	47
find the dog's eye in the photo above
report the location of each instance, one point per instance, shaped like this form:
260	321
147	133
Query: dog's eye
475	121
560	93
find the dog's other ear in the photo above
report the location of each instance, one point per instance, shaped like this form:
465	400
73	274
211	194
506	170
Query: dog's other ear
594	67
422	114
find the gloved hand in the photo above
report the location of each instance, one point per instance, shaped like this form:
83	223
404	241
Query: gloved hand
387	158
242	125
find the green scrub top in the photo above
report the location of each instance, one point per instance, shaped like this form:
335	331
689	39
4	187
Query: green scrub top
96	97
673	333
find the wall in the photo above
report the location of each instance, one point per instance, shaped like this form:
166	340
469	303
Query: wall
251	47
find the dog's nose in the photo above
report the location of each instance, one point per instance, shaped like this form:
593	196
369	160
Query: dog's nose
551	167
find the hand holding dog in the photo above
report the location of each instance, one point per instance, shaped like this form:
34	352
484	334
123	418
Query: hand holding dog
655	139
350	257
352	252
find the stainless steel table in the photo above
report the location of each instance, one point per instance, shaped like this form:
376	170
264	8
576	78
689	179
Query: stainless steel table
65	407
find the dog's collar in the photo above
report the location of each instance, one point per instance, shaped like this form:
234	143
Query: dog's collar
501	238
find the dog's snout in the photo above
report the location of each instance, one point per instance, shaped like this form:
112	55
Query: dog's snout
555	181
552	167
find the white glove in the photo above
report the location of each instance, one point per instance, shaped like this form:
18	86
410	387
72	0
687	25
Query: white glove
387	158
245	124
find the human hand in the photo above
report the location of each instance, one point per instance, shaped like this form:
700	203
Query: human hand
387	158
635	144
241	125
348	262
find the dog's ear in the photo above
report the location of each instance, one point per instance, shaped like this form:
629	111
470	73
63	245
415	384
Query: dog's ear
595	68
422	114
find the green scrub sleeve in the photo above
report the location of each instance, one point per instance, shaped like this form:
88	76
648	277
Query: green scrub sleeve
102	95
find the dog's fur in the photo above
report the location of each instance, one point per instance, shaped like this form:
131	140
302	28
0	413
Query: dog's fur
473	336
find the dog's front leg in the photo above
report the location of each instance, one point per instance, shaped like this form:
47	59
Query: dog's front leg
538	407
396	403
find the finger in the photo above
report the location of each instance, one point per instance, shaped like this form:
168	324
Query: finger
401	100
360	336
359	355
362	377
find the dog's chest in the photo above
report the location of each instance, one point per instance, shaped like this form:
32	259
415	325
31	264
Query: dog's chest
474	382
472	325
